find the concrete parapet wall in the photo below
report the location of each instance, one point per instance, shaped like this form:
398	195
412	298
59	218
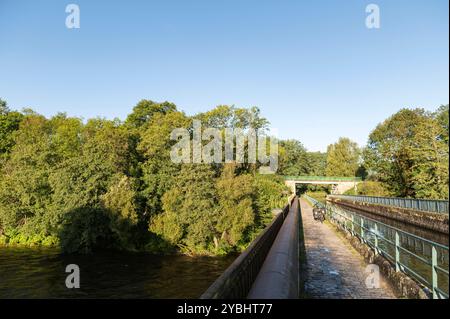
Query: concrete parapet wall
279	274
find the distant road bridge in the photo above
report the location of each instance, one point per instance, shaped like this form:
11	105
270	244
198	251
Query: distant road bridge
340	184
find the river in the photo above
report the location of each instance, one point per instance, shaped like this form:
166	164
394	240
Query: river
40	273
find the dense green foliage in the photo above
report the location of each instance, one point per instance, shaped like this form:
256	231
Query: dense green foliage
370	188
9	122
295	160
111	184
343	158
408	153
319	195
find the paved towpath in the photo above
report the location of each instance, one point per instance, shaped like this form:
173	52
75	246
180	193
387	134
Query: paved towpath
334	269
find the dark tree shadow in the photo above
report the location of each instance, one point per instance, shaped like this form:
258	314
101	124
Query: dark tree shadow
87	229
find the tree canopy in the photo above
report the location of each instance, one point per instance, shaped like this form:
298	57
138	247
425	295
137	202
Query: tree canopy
408	152
111	184
343	158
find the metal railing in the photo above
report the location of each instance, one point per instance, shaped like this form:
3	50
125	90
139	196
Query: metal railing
324	178
435	206
313	201
359	226
237	280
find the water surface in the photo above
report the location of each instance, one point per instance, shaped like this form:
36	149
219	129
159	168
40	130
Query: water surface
40	273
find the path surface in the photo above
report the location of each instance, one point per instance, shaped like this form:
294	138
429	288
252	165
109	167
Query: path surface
334	269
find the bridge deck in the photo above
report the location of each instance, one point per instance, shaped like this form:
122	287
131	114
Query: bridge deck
333	268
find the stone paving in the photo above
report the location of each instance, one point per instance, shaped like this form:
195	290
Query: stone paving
334	269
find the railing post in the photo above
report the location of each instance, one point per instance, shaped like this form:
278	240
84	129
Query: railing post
376	238
397	251
362	229
434	276
353	225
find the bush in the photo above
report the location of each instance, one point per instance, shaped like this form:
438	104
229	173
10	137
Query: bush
85	229
369	188
3	240
318	195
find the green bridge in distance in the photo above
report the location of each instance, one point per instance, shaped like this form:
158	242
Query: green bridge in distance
340	184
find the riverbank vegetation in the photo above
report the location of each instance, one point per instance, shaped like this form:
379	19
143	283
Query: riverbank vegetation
85	185
111	184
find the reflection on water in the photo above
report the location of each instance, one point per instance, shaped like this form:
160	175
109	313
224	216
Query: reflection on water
419	261
40	273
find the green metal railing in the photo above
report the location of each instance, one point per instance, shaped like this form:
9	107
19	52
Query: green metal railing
435	206
324	178
359	226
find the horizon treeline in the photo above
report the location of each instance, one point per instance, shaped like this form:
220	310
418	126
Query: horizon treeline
111	183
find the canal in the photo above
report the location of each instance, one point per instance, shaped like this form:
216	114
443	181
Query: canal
416	243
435	236
40	273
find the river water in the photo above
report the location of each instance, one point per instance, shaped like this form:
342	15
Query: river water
40	273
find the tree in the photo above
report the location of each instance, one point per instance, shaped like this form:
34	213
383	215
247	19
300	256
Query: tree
270	193
24	187
144	111
235	207
119	203
189	210
3	107
59	169
293	158
317	163
408	154
441	116
429	155
98	179
342	158
224	116
85	229
388	152
158	171
9	123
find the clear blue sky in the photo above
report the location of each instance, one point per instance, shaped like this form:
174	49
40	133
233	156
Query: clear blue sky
313	68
